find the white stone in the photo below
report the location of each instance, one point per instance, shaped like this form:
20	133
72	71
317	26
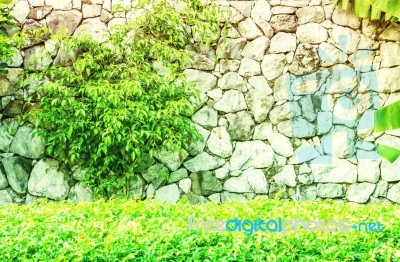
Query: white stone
260	83
312	33
330	55
262	131
219	143
272	65
391	33
117	5
286	176
361	192
249	67
343	79
169	193
277	10
94	28
282	43
203	81
20	11
285	111
282	89
259	104
340	142
231	101
248	154
215	94
390	171
305	152
310	14
206	117
256	48
390	53
243	7
61	5
230	48
185	185
333	170
324	122
281	144
77	4
203	162
345	39
249	29
36	3
47	180
261	14
228	65
346	18
90	10
251	180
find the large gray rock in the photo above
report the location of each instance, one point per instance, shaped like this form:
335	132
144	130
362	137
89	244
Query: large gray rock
381	189
3	180
59	20
333	170
304	193
389	54
311	33
255	154
62	5
203	162
206	117
247	28
17	170
177	175
284	23
48	180
310	14
249	67
6	137
330	55
205	183
324	122
310	105
95	28
368	166
282	43
169	193
280	143
260	83
304	153
20	11
256	48
170	158
261	14
345	112
285	111
196	147
306	59
272	65
389	171
241	126
386	80
203	81
230	48
37	58
5	198
259	104
231	101
251	180
232	80
286	176
219	143
80	193
360	192
394	193
331	190
25	145
297	127
340	142
157	174
345	39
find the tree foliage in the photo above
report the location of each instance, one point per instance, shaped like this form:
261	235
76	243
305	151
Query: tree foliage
120	100
374	9
6	20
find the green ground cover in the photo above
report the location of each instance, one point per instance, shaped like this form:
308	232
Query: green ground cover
120	230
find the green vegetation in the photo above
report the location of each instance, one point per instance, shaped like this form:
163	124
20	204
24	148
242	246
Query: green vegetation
109	106
387	118
6	51
120	230
374	9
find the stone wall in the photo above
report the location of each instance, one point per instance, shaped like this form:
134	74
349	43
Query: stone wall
288	107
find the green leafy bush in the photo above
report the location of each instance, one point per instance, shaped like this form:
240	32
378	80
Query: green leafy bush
108	106
148	231
6	51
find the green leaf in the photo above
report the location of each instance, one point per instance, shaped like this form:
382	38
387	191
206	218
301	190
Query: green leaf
387	152
387	118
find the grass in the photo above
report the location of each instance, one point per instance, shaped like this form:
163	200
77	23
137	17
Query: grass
129	230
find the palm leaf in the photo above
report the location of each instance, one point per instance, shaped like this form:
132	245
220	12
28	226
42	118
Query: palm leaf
362	8
387	152
388	117
391	7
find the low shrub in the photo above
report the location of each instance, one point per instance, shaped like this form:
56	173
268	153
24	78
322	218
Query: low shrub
120	230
